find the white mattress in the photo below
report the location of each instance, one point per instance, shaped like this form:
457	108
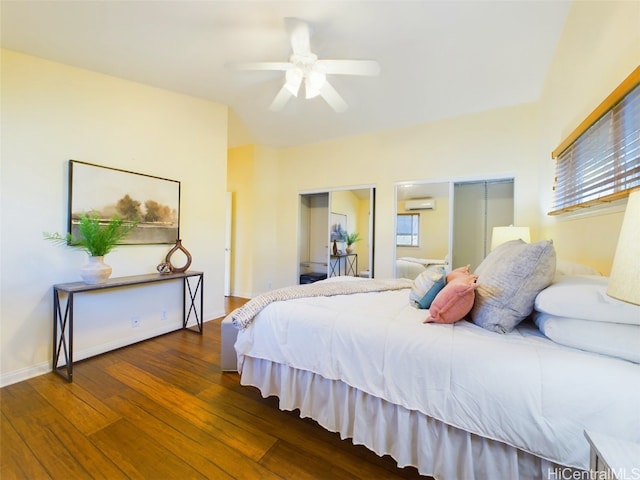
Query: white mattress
521	388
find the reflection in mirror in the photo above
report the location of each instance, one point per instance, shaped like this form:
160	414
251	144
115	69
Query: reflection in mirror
325	220
449	223
478	207
422	227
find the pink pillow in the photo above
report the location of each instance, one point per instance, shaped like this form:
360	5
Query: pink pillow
454	301
460	272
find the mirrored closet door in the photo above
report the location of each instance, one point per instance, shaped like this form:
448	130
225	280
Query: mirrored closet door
479	206
327	220
448	222
423	227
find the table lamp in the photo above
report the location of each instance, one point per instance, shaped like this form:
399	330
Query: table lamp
502	235
624	280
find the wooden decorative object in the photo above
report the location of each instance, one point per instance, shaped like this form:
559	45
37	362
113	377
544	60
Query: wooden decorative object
177	247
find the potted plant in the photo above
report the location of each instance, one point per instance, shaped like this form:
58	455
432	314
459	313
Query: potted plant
97	239
350	239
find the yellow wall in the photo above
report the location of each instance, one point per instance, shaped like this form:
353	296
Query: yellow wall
253	180
268	225
240	182
493	144
52	113
599	48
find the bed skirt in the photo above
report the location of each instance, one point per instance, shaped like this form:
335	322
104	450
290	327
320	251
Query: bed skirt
411	438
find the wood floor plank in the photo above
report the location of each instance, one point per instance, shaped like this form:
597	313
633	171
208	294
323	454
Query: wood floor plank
241	434
95	380
20	399
83	410
176	367
207	344
63	450
201	449
17	461
295	464
140	455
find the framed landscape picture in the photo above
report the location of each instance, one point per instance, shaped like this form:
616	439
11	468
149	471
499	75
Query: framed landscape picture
338	227
104	191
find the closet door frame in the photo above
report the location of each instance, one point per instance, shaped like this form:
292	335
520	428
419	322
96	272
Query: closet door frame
371	224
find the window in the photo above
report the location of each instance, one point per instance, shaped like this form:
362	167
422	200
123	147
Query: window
600	161
407	230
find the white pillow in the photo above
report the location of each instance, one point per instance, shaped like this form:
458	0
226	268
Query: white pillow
616	340
585	297
564	267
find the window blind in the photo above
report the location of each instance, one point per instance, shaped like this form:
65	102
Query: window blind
407	230
603	163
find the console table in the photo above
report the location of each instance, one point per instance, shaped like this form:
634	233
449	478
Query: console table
345	264
192	285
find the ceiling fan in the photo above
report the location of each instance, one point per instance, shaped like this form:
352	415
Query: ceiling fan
305	67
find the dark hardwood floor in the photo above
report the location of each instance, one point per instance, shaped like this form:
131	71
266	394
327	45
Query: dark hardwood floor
162	409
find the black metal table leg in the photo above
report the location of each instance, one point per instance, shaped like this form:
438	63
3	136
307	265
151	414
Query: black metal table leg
63	335
192	297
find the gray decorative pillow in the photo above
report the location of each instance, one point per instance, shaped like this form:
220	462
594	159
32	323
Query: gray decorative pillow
509	279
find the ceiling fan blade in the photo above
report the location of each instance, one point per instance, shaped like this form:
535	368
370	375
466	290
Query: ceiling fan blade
369	68
281	99
333	98
299	34
293	80
279	66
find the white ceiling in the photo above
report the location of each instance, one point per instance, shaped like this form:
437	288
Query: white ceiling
438	59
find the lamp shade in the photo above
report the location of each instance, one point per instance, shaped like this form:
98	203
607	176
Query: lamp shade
624	281
502	235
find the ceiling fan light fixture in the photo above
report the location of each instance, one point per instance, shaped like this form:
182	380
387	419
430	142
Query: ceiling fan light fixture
304	65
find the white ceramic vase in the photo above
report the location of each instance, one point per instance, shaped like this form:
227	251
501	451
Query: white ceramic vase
95	271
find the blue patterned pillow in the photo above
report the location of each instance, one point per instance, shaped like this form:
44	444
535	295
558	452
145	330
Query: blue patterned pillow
427	300
426	286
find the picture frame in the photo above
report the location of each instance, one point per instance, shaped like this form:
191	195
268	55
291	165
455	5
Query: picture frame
105	191
338	227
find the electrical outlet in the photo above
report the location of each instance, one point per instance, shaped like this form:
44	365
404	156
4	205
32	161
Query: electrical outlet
135	322
163	315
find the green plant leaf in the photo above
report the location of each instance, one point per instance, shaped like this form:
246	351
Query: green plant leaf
96	237
351	238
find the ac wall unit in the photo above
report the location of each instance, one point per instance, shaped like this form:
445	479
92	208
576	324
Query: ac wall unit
420	204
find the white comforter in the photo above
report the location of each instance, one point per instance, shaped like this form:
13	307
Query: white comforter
519	388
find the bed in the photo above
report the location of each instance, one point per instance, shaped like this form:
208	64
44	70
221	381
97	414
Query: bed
456	400
411	267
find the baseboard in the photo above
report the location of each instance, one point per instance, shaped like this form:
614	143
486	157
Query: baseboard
241	295
25	374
